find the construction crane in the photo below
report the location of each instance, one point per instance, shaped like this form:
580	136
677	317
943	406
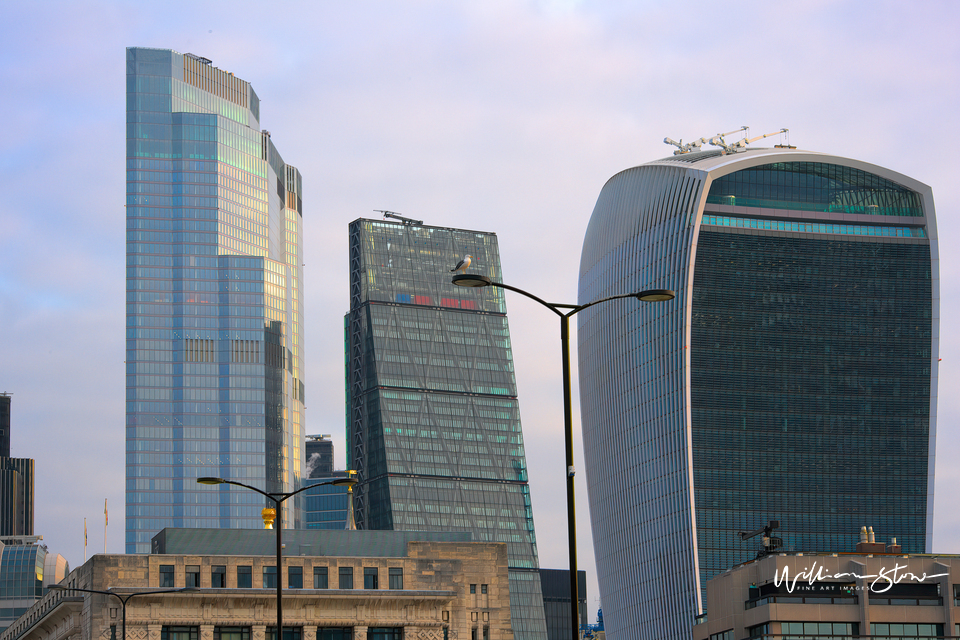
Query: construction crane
770	543
685	148
740	145
396	216
719	141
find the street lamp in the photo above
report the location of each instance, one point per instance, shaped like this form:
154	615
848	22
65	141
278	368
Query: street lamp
278	499
123	599
565	311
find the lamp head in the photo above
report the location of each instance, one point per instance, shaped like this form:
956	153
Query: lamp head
210	480
656	295
470	280
56	587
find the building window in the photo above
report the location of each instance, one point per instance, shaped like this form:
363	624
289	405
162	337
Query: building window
295	577
334	633
903	630
244	577
486	633
759	630
723	635
218	577
483	588
840	628
396	577
370	578
473	588
346	577
473	634
385	633
193	576
270	578
179	633
320	578
289	633
231	633
166	575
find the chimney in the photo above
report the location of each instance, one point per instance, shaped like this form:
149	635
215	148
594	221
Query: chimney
893	547
868	542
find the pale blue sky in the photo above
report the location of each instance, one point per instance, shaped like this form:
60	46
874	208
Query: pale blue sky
499	115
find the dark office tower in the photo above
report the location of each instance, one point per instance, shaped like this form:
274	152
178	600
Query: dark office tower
319	457
214	301
5	399
433	418
556	601
16	482
793	378
16	496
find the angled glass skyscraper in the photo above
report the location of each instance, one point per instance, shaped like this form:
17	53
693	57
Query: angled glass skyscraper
433	419
793	378
214	301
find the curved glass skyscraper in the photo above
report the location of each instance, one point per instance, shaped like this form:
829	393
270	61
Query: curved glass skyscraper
214	301
793	378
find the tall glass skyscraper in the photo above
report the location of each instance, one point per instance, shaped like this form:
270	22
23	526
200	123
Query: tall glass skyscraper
214	301
793	378
433	418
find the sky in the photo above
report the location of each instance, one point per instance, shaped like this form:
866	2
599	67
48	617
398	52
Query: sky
498	115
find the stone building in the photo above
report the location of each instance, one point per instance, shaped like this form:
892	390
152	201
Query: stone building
835	596
431	591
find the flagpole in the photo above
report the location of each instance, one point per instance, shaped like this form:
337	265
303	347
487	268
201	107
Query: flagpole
84	540
105	520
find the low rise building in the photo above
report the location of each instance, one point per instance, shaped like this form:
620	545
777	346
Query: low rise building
835	595
428	590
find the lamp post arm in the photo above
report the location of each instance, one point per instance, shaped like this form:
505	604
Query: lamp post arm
280	497
553	307
581	307
246	486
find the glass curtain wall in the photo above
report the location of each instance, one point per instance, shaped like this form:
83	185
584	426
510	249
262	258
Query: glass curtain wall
433	416
214	307
793	378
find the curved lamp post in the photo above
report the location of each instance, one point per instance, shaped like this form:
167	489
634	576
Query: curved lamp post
565	311
278	499
123	599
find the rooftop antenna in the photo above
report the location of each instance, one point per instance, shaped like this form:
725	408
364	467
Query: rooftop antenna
396	216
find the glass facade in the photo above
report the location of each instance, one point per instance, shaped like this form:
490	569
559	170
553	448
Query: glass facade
810	384
214	301
556	601
325	505
793	378
21	580
433	417
814	186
